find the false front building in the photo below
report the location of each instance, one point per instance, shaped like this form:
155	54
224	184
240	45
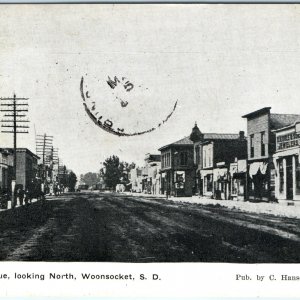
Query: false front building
286	161
261	127
26	168
177	172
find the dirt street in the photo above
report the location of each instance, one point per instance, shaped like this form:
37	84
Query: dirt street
118	228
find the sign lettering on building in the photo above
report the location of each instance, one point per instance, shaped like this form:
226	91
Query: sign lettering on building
288	140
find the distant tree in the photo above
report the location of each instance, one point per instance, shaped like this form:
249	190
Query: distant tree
90	178
71	181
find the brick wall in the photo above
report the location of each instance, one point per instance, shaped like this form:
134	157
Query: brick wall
176	153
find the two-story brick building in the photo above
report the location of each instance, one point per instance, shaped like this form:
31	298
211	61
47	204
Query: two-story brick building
27	166
261	147
213	153
177	171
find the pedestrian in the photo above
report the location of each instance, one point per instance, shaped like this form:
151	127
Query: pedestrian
26	196
30	191
20	195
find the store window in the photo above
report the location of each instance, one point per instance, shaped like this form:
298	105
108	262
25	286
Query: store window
281	176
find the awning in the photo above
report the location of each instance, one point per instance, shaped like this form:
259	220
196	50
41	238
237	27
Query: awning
263	168
256	166
180	172
219	173
206	172
242	165
253	169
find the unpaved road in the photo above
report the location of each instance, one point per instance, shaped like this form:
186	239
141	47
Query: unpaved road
119	228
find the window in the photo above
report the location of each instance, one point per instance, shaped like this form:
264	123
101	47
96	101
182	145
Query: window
183	158
204	158
262	144
166	160
252	145
281	176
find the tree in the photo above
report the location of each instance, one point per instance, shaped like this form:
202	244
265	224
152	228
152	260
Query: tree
116	171
112	171
71	181
90	178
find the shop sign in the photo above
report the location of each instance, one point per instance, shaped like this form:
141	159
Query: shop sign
288	140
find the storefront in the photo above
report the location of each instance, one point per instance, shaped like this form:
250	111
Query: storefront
179	182
207	179
221	183
166	183
238	186
287	164
198	183
259	181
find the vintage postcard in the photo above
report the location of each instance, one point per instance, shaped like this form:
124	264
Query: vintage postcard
150	150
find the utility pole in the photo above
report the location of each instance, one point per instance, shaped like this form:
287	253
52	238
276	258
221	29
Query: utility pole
44	150
14	112
54	162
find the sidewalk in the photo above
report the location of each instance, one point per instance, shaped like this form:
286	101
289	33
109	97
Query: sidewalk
276	209
18	205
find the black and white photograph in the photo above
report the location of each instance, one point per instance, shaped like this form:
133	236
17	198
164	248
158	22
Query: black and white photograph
150	133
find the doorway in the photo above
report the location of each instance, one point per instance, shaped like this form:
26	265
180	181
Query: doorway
289	178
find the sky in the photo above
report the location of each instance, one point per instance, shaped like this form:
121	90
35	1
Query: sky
218	62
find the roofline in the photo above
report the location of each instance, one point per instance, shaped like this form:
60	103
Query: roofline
206	142
175	145
21	150
286	127
257	112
